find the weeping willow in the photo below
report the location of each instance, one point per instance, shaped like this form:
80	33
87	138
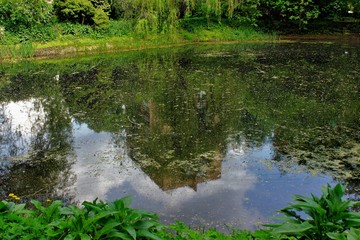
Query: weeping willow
162	15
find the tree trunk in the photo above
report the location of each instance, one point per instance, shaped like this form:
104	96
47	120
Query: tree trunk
182	9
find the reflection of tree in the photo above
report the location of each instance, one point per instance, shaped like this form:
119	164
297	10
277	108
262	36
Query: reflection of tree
179	139
180	107
35	137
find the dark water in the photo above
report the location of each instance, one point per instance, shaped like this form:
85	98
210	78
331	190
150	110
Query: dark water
212	135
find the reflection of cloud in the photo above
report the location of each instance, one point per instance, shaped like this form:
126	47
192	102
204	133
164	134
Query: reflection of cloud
105	171
236	148
21	122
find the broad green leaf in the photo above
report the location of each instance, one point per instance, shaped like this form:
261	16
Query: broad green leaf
336	236
148	235
131	231
85	237
109	227
146	213
127	201
354	234
3	205
352	223
119	235
92	206
38	205
290	228
339	190
97	217
69	237
118	205
18	207
66	211
147	224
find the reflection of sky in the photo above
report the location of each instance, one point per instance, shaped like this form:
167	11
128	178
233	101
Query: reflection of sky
20	122
247	193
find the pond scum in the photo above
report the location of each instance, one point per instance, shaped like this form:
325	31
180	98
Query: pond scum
327	217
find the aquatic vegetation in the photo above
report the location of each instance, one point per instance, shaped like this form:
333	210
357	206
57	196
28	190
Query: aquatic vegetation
340	159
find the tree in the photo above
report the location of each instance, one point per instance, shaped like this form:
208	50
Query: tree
81	11
160	15
295	11
21	14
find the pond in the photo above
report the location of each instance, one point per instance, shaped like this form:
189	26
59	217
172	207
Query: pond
214	135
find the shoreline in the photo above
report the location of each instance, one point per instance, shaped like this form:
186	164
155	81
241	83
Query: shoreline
72	48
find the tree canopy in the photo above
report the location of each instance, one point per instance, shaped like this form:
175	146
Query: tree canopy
165	15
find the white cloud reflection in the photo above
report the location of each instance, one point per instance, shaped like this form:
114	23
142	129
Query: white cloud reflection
106	172
21	122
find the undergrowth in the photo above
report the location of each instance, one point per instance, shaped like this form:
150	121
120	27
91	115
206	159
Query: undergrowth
75	38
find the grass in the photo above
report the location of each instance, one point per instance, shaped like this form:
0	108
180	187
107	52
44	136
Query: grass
76	40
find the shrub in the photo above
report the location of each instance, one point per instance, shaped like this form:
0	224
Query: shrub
326	217
75	29
80	11
101	19
96	220
16	15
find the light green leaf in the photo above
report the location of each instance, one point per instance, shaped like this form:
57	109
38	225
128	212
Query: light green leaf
336	236
290	228
148	235
131	231
354	234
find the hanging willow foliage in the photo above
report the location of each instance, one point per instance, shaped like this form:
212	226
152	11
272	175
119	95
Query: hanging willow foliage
160	15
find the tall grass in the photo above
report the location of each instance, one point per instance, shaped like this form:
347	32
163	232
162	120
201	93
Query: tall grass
17	51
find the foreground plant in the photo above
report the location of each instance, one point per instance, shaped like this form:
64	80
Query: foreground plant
96	220
327	217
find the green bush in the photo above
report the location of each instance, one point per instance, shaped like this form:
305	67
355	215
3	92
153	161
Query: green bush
38	34
79	11
75	29
16	15
327	217
101	19
96	220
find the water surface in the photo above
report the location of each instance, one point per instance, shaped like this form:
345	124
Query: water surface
211	135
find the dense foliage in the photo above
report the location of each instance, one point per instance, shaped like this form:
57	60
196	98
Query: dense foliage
29	17
330	218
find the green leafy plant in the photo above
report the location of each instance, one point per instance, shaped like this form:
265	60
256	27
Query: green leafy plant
319	218
96	220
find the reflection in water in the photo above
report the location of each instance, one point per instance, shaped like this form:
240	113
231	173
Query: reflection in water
105	170
22	125
210	135
29	163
